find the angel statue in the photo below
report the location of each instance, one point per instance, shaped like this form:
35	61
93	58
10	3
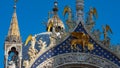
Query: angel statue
69	21
32	39
90	19
106	30
32	51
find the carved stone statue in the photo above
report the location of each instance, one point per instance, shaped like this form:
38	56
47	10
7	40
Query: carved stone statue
69	21
26	63
106	30
33	41
11	65
32	52
90	19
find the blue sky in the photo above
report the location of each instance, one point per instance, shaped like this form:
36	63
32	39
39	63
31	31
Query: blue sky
31	14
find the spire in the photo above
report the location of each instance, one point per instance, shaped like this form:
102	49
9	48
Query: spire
79	9
13	33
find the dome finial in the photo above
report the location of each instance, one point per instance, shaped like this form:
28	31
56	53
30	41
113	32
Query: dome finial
55	9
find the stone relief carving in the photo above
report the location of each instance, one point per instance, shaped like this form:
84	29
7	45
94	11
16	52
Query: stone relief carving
77	58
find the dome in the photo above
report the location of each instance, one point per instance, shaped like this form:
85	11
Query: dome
55	23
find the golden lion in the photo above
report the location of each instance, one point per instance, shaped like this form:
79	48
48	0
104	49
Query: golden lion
82	39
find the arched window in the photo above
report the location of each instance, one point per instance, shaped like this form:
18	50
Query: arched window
12	57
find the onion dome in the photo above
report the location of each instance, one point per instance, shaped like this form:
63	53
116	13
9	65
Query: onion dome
54	23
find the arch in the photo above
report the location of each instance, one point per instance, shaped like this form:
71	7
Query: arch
78	66
105	58
72	60
13	49
13	57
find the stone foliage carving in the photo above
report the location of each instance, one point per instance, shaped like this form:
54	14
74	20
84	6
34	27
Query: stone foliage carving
32	53
42	45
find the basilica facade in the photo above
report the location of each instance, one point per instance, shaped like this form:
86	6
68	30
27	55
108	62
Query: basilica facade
70	44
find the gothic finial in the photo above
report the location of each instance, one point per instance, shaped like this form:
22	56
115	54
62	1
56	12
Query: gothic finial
15	1
79	9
